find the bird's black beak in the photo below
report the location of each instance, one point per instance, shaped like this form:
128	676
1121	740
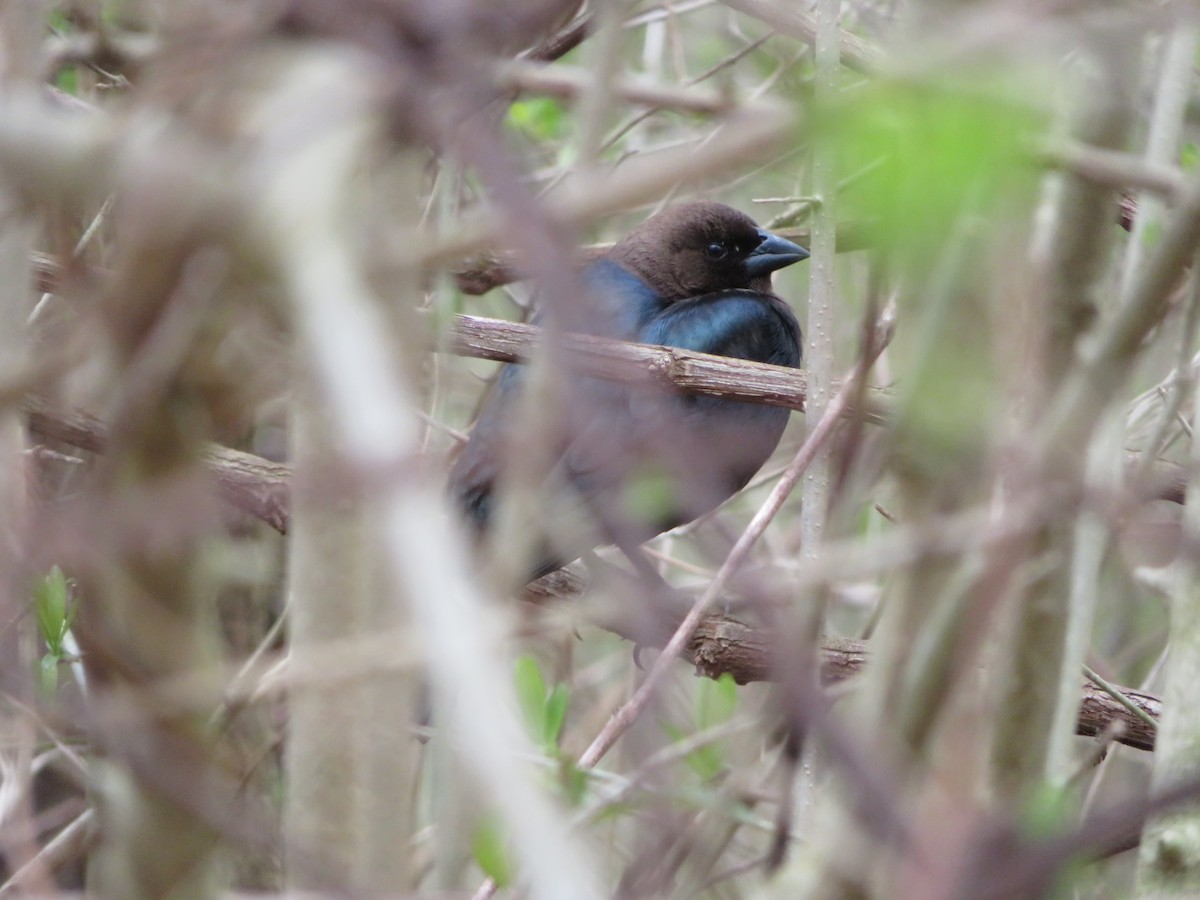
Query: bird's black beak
773	253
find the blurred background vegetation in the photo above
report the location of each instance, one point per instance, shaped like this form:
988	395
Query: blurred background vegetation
253	262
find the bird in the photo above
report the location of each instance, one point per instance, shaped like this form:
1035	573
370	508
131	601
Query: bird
633	461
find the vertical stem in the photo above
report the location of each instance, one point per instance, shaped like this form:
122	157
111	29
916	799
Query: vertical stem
822	292
1092	534
1162	142
1169	848
1051	617
20	33
340	321
390	756
352	761
1169	861
1090	540
1175	87
147	612
329	588
605	56
818	476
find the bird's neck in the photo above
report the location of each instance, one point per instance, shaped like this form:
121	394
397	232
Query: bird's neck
625	300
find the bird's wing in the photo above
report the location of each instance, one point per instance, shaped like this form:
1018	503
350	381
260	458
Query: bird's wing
669	457
473	475
739	324
615	304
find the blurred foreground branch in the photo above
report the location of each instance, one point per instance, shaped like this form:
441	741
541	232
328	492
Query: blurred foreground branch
688	370
258	487
726	645
255	486
569	83
491	270
721	644
857	54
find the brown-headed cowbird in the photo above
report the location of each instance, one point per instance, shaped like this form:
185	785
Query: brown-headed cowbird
630	462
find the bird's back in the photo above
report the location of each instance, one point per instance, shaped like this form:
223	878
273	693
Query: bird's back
701	449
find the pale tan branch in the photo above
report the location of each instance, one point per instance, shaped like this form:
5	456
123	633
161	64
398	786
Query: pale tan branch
1113	168
723	645
255	486
699	373
786	18
260	489
569	82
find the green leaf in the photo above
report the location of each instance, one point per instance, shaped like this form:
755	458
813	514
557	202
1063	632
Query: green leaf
51	596
1189	156
490	854
649	495
555	714
57	20
48	676
716	701
531	695
1152	232
918	155
574	782
1046	812
540	118
707	762
672	731
67	80
715	704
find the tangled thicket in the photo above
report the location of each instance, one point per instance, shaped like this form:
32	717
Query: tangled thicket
259	260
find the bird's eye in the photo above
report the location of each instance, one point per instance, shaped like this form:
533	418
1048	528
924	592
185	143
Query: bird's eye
716	251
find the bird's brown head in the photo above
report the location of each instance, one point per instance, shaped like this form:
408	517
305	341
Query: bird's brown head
701	247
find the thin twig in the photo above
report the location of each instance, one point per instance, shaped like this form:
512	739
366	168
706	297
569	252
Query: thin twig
1113	168
856	53
631	710
620	361
1115	692
569	83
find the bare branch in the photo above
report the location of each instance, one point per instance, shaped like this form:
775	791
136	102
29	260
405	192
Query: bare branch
569	82
562	43
687	370
1113	168
856	53
256	486
720	644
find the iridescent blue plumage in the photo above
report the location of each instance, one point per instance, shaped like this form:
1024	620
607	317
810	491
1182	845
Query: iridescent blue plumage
697	277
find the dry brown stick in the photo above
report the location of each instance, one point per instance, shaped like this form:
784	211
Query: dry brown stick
699	373
562	43
260	488
256	486
723	645
505	341
721	376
